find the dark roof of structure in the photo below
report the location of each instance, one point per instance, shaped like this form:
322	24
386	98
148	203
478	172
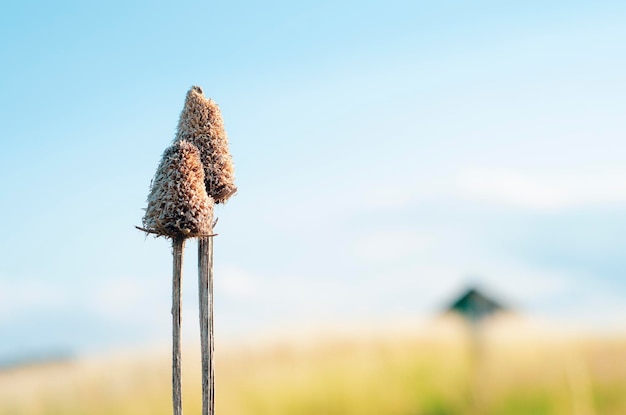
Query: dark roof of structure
475	305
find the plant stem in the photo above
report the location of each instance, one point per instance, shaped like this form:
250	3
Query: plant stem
178	245
205	289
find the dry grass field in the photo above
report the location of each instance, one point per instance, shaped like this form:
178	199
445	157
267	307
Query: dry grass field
378	373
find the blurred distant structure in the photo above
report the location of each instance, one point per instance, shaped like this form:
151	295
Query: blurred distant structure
474	306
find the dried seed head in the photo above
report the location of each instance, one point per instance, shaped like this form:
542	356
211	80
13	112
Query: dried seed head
178	205
201	124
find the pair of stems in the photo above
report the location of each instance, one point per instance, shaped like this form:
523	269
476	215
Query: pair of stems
205	292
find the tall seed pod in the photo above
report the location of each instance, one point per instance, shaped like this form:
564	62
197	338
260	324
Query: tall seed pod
201	124
178	208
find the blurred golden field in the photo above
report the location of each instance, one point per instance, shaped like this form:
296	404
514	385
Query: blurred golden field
412	371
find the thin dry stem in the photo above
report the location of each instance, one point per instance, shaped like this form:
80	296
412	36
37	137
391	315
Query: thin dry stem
205	290
178	245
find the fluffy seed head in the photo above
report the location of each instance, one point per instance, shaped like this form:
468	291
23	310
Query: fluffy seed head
178	205
201	124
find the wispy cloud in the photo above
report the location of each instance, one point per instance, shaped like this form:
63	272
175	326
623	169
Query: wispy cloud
123	300
390	245
30	294
237	283
543	192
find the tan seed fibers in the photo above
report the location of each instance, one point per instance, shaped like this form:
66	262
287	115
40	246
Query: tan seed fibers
201	124
178	205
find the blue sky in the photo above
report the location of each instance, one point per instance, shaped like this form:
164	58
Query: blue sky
387	154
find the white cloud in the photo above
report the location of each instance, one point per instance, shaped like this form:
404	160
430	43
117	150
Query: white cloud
237	282
545	192
390	245
119	299
523	284
30	294
123	299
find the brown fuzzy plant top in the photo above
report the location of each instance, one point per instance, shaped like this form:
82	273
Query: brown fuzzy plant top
201	124
178	205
